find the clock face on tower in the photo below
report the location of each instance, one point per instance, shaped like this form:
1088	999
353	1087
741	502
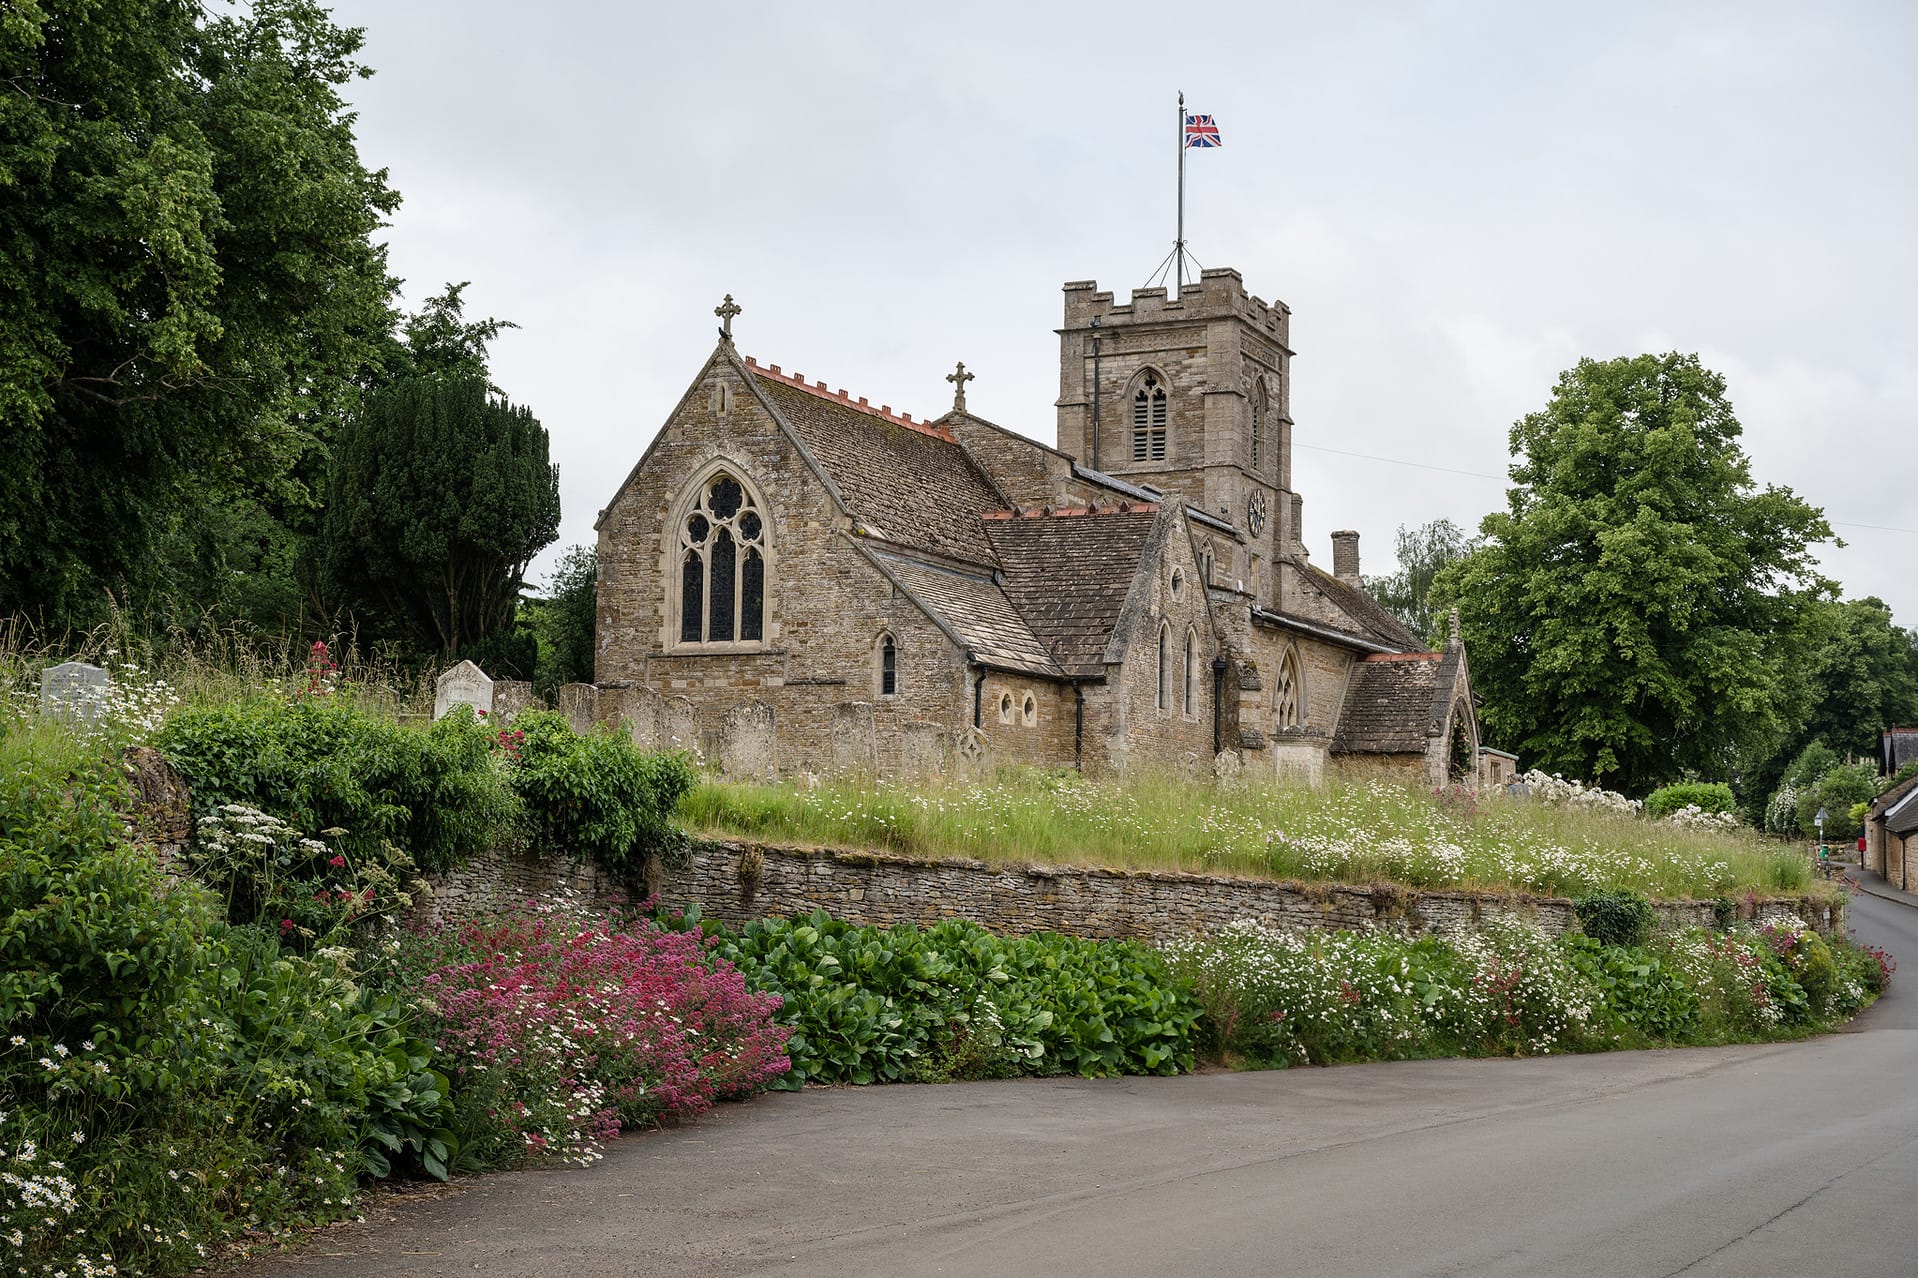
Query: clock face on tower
1255	512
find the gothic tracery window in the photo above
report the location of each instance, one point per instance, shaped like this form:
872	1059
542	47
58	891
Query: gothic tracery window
1149	408
888	666
1287	704
722	586
1191	701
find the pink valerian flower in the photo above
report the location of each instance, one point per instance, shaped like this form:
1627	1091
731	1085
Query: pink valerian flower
338	862
598	1027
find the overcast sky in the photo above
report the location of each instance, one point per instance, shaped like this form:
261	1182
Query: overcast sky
1457	200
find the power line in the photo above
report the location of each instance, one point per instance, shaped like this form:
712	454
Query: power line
1395	461
1479	474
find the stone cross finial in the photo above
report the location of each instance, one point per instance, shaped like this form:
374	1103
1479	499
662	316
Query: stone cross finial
959	377
726	310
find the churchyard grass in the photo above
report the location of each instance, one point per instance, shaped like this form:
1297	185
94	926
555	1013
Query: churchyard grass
1354	828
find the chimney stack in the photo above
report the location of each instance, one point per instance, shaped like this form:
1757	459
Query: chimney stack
1345	556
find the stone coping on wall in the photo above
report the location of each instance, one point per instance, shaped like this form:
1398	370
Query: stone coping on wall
737	880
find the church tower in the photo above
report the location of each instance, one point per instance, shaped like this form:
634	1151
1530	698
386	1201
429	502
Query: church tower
1189	395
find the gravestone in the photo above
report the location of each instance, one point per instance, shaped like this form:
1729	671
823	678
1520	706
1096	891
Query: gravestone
511	698
641	712
579	702
853	747
682	725
74	692
972	755
464	685
923	749
746	742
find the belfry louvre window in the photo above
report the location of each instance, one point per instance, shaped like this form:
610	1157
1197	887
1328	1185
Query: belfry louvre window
1148	419
722	585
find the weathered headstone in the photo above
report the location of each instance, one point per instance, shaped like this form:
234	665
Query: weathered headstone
972	755
682	725
746	740
853	750
74	692
640	712
579	702
464	685
511	698
923	749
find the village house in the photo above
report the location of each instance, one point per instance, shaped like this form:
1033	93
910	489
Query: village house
794	580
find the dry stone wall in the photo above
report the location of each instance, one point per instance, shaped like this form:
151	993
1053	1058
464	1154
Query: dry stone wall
740	881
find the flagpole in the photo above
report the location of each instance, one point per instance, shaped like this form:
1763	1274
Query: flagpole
1178	244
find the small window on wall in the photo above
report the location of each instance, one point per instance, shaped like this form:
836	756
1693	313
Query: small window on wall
1005	707
1205	565
1178	583
722	398
1029	711
888	666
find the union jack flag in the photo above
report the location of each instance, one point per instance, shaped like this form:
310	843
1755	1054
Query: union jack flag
1200	131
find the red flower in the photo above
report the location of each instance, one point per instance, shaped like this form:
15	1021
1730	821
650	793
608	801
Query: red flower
286	925
338	863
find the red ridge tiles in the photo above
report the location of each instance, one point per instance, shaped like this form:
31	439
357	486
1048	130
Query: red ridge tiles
884	411
1405	656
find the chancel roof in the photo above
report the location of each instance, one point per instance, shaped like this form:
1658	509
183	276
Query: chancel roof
905	482
974	608
1068	573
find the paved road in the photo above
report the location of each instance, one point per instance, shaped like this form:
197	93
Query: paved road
1787	1159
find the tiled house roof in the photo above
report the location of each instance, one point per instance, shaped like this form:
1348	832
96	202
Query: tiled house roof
1067	572
905	482
973	609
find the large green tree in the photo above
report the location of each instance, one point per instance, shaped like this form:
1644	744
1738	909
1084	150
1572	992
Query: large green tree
190	285
442	492
1423	553
1632	614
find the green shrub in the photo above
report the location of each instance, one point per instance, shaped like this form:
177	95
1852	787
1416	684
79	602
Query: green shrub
322	763
1707	796
597	794
179	1067
1641	994
1836	790
1616	918
873	1005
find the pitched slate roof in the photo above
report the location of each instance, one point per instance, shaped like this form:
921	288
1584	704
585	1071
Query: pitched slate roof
973	608
906	482
1369	617
1891	798
1068	572
1390	702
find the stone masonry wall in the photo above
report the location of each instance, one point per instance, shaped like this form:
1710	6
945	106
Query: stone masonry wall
740	881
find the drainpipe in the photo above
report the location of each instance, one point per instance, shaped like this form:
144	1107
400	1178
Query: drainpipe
1079	726
1218	686
1095	395
978	696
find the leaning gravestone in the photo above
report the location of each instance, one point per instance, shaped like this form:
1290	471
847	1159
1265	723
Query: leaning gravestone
74	692
464	685
511	698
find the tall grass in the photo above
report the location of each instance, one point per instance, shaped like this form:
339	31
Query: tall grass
199	662
1353	829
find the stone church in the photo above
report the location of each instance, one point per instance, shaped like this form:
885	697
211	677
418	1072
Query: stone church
794	580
